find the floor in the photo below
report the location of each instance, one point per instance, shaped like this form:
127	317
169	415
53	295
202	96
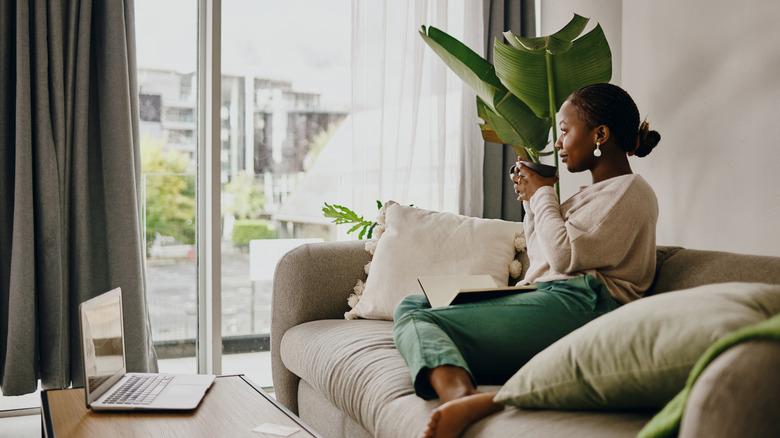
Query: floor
256	366
27	426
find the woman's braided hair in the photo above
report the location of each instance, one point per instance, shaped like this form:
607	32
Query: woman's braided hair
610	105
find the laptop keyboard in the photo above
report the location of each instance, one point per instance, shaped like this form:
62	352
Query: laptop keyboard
139	390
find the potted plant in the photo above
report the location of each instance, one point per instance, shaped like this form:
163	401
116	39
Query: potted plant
519	97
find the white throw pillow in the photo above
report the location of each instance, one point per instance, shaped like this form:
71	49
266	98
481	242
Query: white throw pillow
419	242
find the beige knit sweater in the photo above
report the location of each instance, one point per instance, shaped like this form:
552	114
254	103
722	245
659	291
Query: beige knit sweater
606	230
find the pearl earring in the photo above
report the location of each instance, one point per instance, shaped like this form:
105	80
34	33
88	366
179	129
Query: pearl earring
597	151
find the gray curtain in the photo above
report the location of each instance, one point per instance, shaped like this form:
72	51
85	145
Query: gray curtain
70	187
500	200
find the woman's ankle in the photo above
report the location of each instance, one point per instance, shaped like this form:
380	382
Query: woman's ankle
451	383
450	394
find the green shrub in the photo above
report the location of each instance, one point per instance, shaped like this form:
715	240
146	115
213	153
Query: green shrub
245	230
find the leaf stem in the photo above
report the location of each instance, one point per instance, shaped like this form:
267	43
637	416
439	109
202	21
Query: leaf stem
551	94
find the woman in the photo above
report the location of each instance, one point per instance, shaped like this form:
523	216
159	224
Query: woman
587	256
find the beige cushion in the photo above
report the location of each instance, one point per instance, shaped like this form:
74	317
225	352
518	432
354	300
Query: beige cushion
423	242
640	355
354	363
352	369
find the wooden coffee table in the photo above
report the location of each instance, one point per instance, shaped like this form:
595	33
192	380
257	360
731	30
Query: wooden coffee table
232	407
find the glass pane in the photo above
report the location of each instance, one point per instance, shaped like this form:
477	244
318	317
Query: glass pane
166	35
285	93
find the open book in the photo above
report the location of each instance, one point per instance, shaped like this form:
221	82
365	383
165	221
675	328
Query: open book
444	290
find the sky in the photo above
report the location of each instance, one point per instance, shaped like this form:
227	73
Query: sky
306	42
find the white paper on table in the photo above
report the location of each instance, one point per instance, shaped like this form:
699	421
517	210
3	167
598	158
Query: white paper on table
276	429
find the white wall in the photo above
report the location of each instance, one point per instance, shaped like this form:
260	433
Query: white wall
705	73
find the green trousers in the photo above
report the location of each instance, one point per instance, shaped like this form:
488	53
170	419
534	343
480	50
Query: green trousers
492	339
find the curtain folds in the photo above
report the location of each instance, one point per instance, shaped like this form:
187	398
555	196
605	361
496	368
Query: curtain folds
70	213
415	138
500	200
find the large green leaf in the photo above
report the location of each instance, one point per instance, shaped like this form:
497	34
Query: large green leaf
488	131
532	131
525	73
473	69
513	124
508	118
489	135
589	61
556	43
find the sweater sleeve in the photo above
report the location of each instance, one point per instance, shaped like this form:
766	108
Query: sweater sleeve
551	230
604	232
528	220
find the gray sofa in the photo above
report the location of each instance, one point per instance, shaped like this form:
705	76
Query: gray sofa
345	378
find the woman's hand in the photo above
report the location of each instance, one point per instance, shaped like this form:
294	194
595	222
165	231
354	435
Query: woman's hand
527	182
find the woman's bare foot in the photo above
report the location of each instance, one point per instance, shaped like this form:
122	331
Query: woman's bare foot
451	419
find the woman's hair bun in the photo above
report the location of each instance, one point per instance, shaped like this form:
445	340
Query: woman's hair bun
646	140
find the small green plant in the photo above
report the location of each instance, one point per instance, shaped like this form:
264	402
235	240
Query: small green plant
245	230
343	215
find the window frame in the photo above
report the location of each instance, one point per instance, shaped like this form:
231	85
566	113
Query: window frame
208	194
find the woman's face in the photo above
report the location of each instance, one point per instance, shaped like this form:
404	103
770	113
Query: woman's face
576	141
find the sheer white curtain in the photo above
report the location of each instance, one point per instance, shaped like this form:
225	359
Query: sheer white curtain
415	138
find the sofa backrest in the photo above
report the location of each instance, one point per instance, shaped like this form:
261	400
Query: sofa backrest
679	268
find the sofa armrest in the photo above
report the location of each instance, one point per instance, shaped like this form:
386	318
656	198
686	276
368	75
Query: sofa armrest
311	282
737	395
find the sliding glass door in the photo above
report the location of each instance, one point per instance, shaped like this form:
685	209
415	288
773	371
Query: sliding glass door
285	92
226	160
167	53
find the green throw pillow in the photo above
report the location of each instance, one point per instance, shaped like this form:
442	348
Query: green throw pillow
640	355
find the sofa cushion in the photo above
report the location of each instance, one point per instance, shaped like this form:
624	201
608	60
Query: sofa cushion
679	268
405	417
422	242
639	355
353	363
320	414
351	367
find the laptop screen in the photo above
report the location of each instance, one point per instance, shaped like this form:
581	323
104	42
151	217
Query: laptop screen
102	342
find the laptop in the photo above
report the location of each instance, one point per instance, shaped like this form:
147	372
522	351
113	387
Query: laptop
445	290
108	385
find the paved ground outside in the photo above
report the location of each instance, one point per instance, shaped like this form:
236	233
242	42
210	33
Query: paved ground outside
246	309
172	297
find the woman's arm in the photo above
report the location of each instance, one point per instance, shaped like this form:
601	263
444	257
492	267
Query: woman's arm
603	228
594	229
551	230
